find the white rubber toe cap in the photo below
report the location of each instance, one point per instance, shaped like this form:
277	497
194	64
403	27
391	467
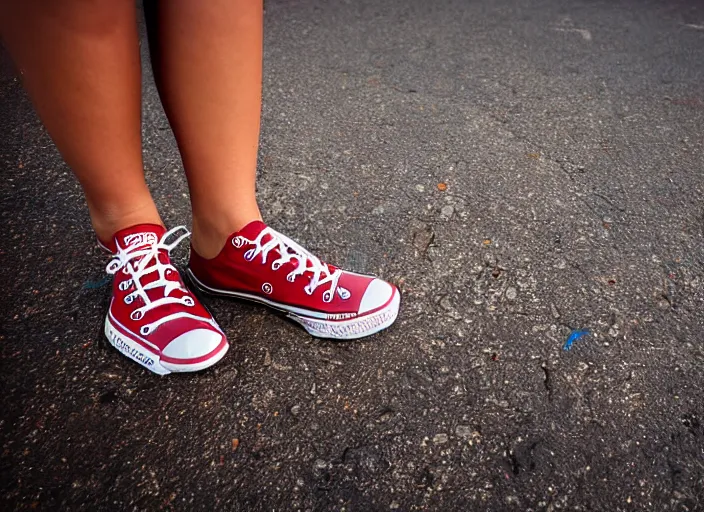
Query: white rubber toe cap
377	294
193	344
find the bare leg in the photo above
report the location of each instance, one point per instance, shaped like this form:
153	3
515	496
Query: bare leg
207	57
79	61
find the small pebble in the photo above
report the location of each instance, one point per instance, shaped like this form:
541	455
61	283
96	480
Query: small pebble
511	293
446	304
440	438
463	431
490	259
447	212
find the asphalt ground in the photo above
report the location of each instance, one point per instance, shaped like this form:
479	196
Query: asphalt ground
521	170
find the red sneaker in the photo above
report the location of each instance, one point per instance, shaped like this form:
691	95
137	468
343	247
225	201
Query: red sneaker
153	318
264	266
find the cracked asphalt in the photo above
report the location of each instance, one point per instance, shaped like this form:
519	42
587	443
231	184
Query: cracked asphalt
520	169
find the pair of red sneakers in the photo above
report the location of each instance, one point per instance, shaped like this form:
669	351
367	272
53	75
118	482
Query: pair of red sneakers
158	322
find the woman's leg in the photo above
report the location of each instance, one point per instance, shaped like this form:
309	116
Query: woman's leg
207	59
80	63
208	64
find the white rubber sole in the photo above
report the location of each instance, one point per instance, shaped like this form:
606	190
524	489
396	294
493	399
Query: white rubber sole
313	321
151	360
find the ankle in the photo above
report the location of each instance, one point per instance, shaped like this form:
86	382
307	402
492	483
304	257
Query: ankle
107	222
209	237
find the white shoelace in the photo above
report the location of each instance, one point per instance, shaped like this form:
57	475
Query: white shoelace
289	250
148	256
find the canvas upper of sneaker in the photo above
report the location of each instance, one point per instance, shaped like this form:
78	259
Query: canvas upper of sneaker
150	301
259	261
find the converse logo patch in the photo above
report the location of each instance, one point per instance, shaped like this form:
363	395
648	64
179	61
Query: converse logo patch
140	239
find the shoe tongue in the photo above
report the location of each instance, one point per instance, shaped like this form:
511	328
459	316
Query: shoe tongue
252	230
135	236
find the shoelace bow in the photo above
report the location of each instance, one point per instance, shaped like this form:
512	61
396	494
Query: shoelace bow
289	250
147	262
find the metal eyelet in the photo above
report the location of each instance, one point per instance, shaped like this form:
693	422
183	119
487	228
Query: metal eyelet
136	315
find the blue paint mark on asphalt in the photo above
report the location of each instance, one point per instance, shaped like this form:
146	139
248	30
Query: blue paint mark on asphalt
92	285
574	336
